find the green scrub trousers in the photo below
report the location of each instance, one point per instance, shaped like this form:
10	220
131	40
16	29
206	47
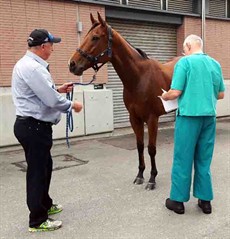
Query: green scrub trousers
194	140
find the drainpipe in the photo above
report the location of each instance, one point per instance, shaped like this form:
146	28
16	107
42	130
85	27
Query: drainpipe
79	32
203	24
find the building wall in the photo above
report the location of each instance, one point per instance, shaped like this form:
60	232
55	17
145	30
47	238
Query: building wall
217	39
19	18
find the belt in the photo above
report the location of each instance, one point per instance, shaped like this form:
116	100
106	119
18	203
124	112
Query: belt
29	118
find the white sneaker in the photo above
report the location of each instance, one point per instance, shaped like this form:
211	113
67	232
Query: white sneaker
55	208
48	225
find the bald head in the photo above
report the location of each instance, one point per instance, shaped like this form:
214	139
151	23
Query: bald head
192	44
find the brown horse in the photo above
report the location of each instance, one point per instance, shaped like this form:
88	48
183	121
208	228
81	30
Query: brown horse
142	78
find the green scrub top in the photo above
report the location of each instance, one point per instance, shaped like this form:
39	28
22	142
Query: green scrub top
200	79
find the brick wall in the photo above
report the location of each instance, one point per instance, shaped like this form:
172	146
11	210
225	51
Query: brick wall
218	43
217	39
19	18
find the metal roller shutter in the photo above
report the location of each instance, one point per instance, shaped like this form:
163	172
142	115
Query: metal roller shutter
185	6
217	8
108	1
145	4
158	41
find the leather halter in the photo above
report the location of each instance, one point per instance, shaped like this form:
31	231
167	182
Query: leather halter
95	59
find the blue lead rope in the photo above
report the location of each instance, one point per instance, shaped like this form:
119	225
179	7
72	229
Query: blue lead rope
69	118
69	115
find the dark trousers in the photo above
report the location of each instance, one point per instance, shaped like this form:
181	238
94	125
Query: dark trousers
36	139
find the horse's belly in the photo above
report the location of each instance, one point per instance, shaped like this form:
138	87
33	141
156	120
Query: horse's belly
145	110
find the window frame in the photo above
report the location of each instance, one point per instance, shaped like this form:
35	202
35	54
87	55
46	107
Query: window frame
166	5
227	10
124	2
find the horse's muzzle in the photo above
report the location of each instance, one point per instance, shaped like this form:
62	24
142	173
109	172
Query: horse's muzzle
75	69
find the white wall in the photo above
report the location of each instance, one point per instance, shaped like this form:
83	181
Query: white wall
96	117
7	119
223	106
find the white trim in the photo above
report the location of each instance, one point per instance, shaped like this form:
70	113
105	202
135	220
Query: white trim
227	15
126	2
226	8
166	1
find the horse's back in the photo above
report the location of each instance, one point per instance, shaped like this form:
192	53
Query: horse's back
168	67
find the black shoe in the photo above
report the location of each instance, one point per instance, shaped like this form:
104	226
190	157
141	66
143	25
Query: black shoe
205	206
177	207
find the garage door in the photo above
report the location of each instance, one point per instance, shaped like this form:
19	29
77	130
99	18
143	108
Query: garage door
158	41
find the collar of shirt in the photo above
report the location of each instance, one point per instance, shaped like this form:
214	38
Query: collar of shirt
37	58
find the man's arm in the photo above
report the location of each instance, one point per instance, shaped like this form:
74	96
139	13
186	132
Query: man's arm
171	94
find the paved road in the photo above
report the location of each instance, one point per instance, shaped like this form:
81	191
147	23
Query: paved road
93	181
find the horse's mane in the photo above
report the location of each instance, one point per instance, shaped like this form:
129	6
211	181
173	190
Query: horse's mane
141	52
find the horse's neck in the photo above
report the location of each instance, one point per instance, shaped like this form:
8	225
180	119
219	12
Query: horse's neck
129	64
125	60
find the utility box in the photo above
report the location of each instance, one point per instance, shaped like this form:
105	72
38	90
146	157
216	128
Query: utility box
7	119
98	105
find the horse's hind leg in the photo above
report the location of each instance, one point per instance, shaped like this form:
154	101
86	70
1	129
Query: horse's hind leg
138	128
152	129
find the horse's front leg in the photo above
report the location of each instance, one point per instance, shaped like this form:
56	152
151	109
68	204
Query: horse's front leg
138	128
152	130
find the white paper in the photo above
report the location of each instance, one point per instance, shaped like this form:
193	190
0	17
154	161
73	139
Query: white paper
169	105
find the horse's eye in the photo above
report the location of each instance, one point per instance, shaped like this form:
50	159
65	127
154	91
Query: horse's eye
95	38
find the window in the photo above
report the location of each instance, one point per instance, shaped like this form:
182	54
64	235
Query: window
124	2
164	4
228	8
197	6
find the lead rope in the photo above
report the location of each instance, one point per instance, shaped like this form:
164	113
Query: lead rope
69	118
69	115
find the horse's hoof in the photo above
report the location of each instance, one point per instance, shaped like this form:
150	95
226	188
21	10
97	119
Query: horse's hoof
150	186
138	181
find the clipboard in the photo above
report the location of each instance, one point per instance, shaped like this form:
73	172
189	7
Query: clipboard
169	105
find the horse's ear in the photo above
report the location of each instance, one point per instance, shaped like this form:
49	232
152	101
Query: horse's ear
103	23
93	20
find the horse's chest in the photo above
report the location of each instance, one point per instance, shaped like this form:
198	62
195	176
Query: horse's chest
138	109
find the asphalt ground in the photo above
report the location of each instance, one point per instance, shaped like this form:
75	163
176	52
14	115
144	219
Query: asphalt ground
93	180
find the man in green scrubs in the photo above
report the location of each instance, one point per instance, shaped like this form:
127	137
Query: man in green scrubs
198	84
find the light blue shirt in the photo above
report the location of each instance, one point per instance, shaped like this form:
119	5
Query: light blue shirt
34	92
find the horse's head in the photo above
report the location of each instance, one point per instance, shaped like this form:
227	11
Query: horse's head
96	48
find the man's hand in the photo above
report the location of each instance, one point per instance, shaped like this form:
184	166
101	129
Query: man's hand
77	106
65	88
171	94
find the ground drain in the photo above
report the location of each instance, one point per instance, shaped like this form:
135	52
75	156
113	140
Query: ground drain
60	161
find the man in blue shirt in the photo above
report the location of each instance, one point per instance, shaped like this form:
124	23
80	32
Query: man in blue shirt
198	84
38	106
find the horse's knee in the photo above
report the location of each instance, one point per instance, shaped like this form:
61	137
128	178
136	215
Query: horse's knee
152	150
140	147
